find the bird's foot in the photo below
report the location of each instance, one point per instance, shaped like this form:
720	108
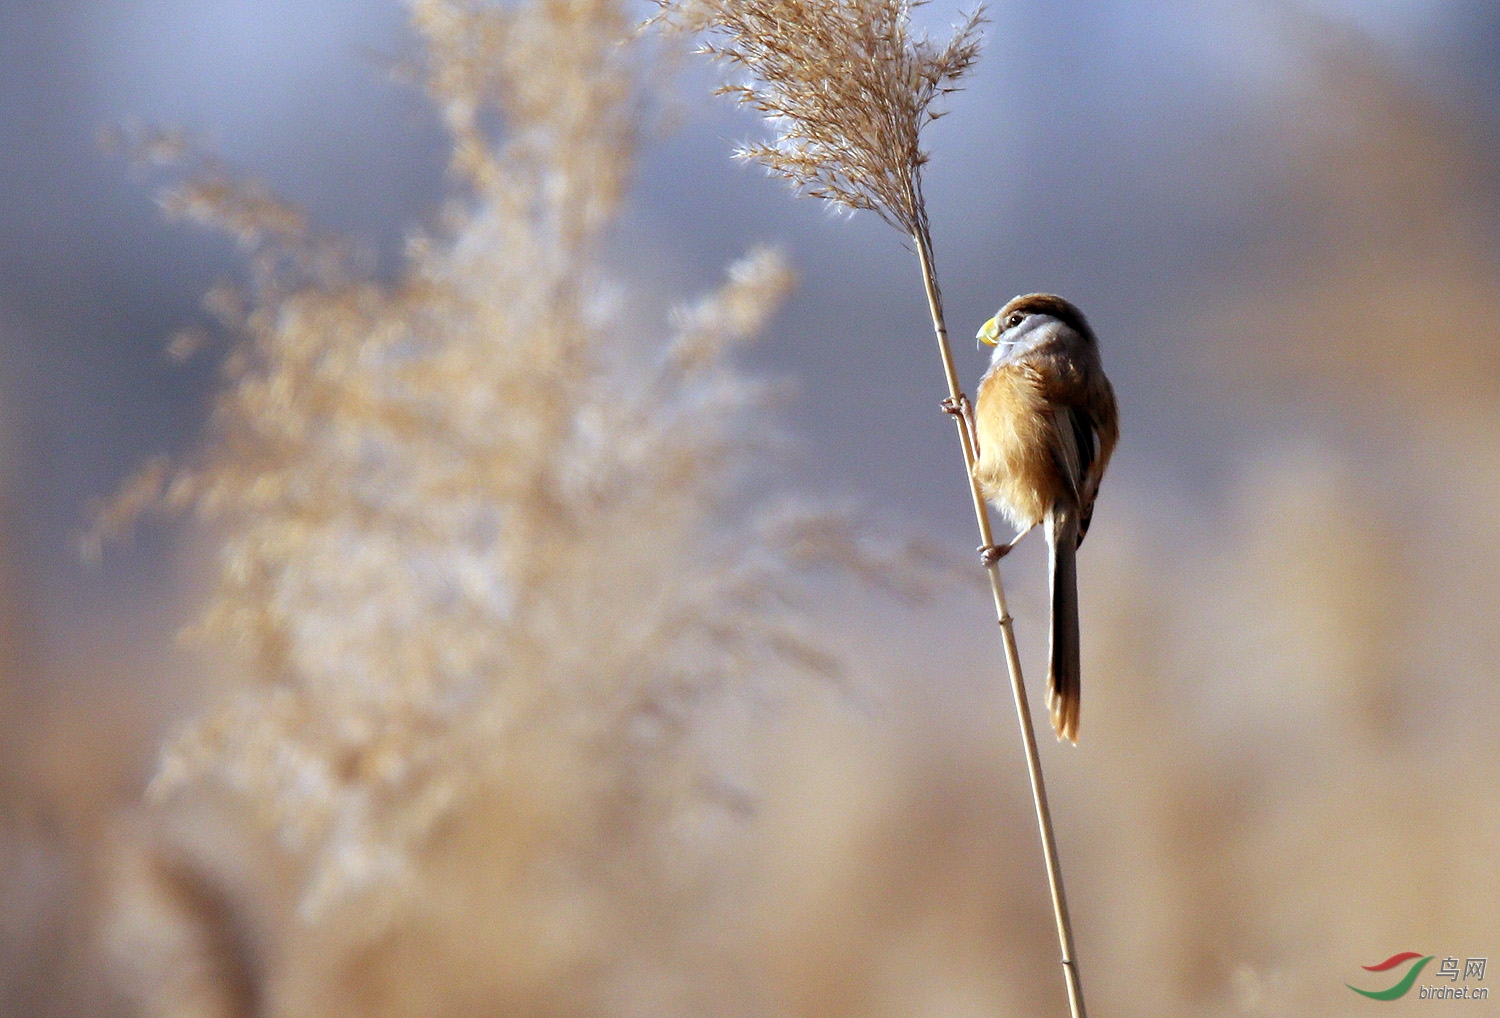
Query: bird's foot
989	554
958	405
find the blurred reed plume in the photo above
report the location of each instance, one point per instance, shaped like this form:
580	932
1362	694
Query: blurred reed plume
847	89
486	545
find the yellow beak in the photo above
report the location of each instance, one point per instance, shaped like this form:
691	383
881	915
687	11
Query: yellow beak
989	332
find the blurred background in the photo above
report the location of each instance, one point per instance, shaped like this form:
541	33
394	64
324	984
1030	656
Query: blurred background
1281	221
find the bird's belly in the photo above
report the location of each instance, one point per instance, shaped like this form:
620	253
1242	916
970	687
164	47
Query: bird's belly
1015	470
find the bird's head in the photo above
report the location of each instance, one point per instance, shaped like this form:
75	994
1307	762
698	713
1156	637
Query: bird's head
1017	324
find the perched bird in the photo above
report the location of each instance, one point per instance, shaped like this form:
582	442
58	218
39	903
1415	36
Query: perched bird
1044	426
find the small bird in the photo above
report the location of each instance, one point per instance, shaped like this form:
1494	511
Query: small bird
1043	427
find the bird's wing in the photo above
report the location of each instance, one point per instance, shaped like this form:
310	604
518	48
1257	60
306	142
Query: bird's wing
1073	382
1069	447
1086	481
1086	438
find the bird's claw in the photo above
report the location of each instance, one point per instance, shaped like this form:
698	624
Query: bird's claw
956	405
989	554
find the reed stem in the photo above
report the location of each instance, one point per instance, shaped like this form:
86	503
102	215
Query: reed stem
921	237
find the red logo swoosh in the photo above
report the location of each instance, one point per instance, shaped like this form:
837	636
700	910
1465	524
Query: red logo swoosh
1392	961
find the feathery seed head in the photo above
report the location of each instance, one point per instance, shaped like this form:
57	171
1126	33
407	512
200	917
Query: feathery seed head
845	86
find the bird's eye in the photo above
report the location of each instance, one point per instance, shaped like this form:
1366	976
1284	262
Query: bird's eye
1014	320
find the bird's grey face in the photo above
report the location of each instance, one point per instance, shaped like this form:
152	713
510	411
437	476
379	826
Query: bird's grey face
1017	332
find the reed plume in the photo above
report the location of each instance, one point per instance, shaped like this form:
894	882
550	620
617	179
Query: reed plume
847	88
483	537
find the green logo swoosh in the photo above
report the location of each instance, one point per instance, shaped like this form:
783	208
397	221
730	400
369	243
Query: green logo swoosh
1400	989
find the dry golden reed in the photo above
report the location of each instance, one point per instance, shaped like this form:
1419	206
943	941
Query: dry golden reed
478	529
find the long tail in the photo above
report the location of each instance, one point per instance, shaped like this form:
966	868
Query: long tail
1064	688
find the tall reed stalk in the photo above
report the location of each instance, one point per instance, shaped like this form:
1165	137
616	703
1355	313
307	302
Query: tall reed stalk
847	89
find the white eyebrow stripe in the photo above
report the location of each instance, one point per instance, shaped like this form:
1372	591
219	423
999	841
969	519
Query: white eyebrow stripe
1033	321
1021	335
